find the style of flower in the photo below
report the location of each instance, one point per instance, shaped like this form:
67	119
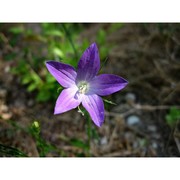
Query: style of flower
84	85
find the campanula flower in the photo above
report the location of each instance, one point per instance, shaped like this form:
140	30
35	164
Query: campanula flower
84	85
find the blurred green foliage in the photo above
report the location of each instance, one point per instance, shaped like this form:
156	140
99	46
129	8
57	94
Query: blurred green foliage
33	72
173	116
50	41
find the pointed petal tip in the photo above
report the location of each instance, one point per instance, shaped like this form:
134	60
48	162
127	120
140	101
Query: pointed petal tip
56	112
99	124
46	62
49	62
93	44
126	82
94	47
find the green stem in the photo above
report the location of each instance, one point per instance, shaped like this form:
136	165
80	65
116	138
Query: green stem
88	129
70	39
103	63
89	133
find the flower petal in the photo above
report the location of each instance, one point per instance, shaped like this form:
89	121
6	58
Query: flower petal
95	106
89	64
63	73
67	101
106	84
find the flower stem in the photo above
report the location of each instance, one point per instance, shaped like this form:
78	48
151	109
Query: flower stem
89	134
70	39
88	129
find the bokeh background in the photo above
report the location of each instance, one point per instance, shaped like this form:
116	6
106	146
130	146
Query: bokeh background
142	120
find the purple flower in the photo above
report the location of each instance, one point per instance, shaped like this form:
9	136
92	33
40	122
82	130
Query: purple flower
84	85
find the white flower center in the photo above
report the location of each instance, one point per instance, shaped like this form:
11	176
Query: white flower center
83	87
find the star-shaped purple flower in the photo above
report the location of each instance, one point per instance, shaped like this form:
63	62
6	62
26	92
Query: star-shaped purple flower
84	85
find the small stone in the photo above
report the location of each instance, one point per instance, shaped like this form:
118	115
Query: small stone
19	104
133	120
129	136
3	93
6	116
130	98
135	144
30	103
173	85
7	69
4	108
154	145
103	141
152	128
156	135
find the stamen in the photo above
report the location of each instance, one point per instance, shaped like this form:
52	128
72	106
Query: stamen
83	87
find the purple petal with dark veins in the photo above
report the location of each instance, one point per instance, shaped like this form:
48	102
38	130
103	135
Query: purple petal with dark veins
106	84
63	73
95	106
67	101
89	64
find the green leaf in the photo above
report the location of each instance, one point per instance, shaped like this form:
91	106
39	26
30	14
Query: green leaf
43	96
8	151
173	116
115	26
26	79
58	52
50	78
54	33
35	77
59	89
79	143
31	87
109	102
16	29
101	37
